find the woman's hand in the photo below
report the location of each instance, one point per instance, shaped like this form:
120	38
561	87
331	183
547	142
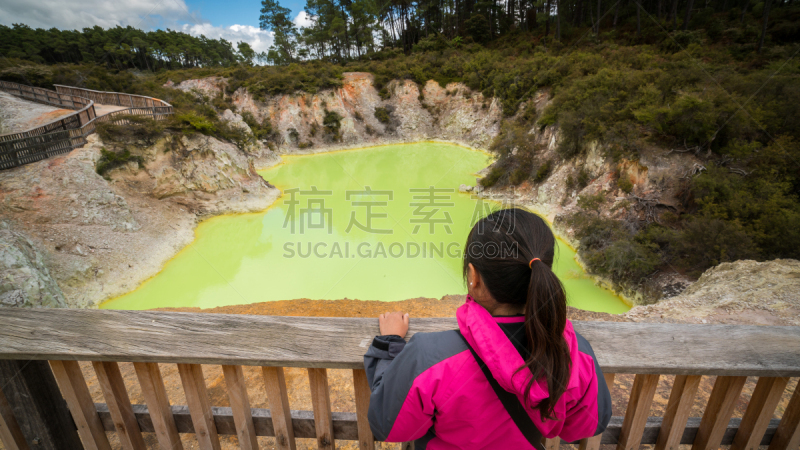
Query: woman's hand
394	323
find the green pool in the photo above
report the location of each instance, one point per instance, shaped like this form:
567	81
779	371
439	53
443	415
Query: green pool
384	223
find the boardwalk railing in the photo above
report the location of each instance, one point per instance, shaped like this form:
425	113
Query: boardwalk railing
62	135
32	408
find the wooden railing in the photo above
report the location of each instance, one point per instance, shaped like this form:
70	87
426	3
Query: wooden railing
31	406
62	135
113	98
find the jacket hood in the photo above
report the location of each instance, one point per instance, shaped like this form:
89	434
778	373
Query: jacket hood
493	346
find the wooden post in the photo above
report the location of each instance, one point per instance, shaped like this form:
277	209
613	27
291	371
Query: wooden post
321	402
593	443
787	436
275	385
119	404
718	412
194	386
642	392
73	386
158	405
37	405
240	407
679	406
362	393
759	411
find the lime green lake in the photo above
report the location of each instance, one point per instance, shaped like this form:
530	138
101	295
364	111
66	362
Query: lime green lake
383	223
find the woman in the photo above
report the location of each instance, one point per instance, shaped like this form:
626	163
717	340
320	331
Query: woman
513	371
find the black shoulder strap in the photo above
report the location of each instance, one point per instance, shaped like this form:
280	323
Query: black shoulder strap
511	403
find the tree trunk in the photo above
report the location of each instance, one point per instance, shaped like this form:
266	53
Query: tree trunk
744	9
674	14
688	15
547	21
639	19
599	15
764	26
616	13
558	20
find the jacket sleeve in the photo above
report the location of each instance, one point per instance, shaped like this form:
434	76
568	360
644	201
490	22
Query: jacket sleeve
595	405
399	410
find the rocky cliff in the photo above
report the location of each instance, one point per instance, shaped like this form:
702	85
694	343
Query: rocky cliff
101	237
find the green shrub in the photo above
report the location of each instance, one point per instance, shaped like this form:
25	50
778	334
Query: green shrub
382	114
196	122
111	160
130	129
625	184
543	171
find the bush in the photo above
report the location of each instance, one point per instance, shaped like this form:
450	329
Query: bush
382	114
130	129
111	160
543	171
332	123
625	184
196	122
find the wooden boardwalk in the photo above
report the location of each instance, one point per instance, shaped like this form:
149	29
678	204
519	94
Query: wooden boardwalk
68	132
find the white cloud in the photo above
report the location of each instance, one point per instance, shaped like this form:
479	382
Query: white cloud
303	20
77	14
259	39
142	14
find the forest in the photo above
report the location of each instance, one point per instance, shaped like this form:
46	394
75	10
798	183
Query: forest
718	79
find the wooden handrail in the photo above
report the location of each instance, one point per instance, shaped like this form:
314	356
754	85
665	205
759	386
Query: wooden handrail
331	342
111	98
147	338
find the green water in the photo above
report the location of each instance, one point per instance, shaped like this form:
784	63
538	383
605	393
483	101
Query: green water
346	242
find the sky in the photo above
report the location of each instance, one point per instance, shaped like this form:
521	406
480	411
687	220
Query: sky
233	20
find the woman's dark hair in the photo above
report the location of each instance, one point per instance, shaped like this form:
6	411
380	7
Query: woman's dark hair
500	247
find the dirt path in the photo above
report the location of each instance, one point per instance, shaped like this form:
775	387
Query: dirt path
19	115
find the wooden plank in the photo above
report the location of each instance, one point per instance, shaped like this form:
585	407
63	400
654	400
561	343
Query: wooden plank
345	426
321	401
679	407
31	392
759	411
194	387
155	394
366	441
148	336
407	445
275	385
642	392
73	386
718	412
787	436
593	443
552	444
240	404
10	433
119	404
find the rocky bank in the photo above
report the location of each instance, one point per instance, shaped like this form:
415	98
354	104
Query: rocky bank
74	238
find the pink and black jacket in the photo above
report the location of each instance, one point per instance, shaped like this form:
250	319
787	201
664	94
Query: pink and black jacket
432	391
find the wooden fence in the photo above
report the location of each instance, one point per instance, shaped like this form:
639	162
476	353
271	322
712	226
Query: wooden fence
32	389
113	98
62	135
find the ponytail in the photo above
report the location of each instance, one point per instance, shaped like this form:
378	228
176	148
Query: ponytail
545	320
524	275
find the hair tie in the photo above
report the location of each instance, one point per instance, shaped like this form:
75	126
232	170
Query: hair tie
530	263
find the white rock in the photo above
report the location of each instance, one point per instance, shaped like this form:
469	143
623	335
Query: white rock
465	188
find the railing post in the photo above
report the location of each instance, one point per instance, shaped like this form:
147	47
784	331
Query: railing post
39	409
